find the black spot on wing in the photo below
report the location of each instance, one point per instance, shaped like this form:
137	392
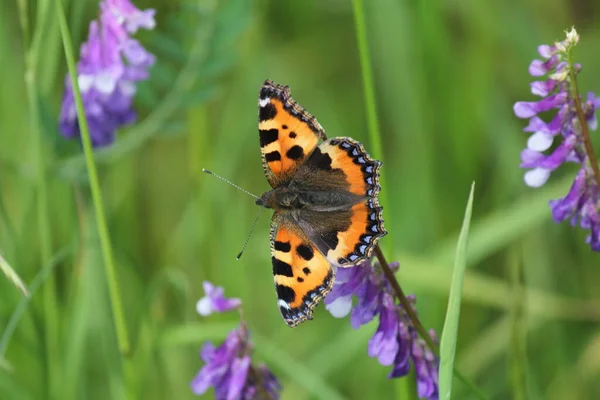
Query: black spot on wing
283	246
281	268
292	134
300	279
285	293
319	160
284	126
273	156
267	112
306	270
295	152
268	136
331	239
304	251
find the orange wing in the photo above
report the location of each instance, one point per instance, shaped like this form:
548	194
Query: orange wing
302	275
352	242
288	134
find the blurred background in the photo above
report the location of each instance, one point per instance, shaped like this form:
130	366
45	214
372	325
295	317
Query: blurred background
446	76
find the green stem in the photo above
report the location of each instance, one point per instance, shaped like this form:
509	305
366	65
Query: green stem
517	354
367	75
111	276
368	87
408	308
587	141
51	312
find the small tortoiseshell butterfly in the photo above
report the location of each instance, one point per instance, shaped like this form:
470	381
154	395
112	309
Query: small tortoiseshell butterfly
325	199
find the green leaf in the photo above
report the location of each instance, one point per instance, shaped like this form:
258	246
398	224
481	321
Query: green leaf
449	334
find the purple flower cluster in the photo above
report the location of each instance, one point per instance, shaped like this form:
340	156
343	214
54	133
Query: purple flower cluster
111	63
559	92
228	368
395	341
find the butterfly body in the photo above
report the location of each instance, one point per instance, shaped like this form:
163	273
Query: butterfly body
325	200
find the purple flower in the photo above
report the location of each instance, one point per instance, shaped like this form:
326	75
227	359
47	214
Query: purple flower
215	301
111	63
384	343
395	342
581	203
228	368
261	385
426	369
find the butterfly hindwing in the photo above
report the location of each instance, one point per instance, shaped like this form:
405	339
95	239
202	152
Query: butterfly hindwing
360	170
347	237
287	133
302	275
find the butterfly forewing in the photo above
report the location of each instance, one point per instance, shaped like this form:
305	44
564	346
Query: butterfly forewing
287	133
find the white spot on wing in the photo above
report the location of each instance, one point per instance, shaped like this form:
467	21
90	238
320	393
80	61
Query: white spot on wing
263	102
283	304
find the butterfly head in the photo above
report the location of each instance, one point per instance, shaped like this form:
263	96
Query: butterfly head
280	199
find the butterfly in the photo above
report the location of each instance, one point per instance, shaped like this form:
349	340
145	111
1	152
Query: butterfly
325	200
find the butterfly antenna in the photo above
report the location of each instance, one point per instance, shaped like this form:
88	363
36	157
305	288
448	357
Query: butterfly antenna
250	234
231	183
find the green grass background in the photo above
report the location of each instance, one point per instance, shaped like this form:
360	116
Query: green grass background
446	76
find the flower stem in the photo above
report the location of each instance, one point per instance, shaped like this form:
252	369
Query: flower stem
369	88
587	141
389	274
111	276
51	310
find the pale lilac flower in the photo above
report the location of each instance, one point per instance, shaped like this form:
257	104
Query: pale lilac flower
395	342
581	205
215	301
110	65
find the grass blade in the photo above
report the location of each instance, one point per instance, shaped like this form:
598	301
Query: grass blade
12	275
449	334
102	226
41	277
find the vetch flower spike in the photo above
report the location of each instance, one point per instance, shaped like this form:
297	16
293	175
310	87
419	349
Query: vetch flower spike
228	368
395	342
573	121
110	65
